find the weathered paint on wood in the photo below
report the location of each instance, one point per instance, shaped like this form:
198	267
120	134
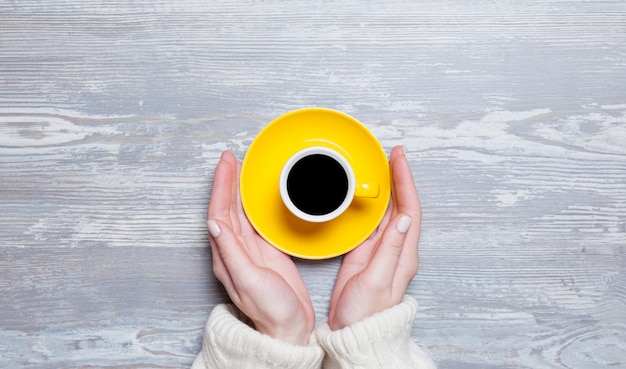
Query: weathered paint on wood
113	115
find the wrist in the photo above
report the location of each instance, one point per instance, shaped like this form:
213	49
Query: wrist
296	336
381	329
231	340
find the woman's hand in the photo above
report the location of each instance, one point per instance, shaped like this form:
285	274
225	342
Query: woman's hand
262	282
375	275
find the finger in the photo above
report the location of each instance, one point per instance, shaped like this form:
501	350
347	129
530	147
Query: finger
238	192
235	200
406	199
389	213
220	207
219	269
405	194
392	200
220	204
241	214
407	202
383	265
234	259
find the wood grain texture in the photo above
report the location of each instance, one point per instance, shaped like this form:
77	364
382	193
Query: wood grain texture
113	115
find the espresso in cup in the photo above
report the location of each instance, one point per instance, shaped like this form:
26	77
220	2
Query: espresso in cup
317	184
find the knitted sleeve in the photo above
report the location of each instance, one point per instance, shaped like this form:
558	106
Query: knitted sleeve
230	343
381	341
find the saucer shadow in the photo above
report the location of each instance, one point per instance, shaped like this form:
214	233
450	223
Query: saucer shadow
298	225
304	227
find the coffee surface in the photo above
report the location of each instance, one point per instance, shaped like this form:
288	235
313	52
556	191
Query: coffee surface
317	184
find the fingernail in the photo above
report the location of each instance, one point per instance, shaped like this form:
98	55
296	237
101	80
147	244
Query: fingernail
403	224
214	229
403	150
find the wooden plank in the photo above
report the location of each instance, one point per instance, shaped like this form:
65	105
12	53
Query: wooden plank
113	116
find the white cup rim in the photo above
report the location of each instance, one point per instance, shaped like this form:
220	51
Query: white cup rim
312	151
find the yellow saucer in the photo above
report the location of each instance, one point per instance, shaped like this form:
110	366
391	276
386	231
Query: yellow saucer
271	149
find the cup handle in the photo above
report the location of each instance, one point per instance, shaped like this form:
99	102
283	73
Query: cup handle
367	190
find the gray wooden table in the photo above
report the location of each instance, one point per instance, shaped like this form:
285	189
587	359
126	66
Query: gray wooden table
113	115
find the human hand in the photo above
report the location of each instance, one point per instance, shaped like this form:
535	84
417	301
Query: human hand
375	275
262	282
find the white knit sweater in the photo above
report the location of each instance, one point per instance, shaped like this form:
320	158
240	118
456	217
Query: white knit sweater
381	341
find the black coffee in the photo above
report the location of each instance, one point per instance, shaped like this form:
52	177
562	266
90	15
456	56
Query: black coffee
317	184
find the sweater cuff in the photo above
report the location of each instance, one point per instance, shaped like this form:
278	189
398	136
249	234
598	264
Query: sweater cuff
382	340
231	343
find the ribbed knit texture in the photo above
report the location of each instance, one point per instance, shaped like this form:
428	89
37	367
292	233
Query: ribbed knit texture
230	343
381	341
